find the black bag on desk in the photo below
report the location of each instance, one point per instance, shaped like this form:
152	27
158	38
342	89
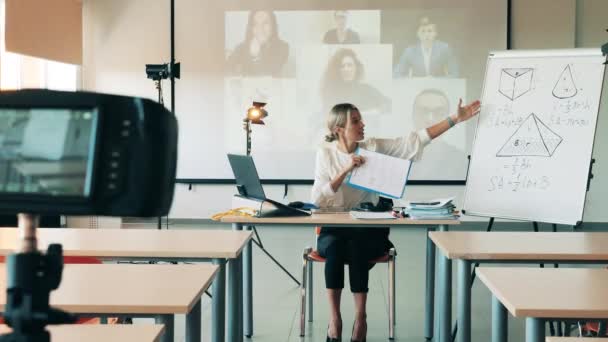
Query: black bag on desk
384	204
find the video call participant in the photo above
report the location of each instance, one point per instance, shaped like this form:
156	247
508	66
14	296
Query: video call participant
263	53
343	82
341	34
430	57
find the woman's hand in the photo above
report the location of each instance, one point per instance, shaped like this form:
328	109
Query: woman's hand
463	114
355	162
468	111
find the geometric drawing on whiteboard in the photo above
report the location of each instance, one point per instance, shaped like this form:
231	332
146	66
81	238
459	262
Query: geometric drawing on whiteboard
565	87
515	82
531	139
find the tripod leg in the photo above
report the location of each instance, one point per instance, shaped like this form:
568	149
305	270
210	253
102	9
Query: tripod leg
276	262
259	244
255	231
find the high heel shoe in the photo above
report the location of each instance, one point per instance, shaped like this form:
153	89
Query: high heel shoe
335	339
331	339
364	338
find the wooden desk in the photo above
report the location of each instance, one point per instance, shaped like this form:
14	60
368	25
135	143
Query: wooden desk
504	247
159	245
136	244
532	293
33	172
334	219
102	333
62	185
159	291
53	168
342	220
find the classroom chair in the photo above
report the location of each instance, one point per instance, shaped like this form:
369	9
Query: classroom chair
593	329
311	255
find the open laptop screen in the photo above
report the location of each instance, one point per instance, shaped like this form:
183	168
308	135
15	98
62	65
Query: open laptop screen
246	176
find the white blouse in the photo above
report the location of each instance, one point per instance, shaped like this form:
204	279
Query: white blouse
331	161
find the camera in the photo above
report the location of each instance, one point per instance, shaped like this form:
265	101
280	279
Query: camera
159	72
75	153
82	153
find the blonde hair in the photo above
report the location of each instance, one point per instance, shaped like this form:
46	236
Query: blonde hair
338	117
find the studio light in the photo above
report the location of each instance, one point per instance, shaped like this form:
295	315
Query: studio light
255	114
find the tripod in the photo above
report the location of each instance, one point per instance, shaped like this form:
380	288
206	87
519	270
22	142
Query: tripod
159	87
258	241
157	73
31	277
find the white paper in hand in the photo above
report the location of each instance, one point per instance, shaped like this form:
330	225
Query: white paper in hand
382	174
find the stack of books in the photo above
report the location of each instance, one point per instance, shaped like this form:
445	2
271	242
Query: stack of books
439	209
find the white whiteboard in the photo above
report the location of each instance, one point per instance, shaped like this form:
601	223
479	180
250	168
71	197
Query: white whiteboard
534	139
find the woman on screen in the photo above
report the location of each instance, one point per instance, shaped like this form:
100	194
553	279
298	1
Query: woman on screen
357	246
262	53
429	58
343	82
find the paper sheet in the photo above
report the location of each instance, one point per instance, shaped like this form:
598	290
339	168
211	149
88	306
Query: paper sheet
370	215
383	174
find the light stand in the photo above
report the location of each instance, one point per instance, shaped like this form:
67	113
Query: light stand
254	116
158	73
31	276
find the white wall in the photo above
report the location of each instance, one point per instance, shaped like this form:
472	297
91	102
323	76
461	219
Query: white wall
591	28
536	24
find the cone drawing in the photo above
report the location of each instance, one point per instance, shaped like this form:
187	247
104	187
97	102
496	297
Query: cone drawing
565	87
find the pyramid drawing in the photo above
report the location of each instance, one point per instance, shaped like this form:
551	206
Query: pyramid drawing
565	87
515	82
531	139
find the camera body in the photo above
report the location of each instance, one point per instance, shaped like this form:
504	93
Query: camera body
118	157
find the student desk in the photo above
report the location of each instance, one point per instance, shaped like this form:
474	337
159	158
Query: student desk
532	293
340	220
504	247
159	291
101	333
159	245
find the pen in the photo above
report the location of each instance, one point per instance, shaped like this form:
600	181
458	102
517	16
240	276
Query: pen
424	203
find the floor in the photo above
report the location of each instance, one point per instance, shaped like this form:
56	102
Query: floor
276	296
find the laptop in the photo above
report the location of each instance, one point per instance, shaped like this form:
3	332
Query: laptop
249	185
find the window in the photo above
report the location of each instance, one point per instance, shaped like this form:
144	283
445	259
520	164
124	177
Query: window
20	71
